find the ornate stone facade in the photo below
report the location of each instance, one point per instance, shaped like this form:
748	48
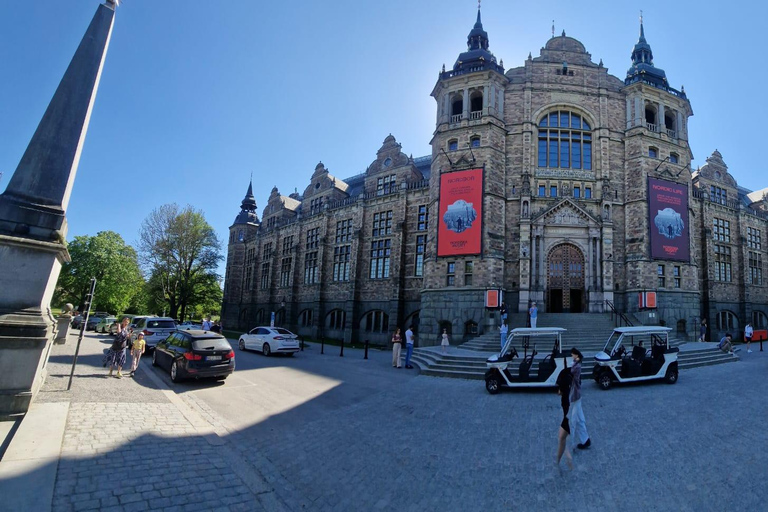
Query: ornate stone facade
566	150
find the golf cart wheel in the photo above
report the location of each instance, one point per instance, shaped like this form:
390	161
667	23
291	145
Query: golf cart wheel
605	381
266	349
492	385
671	376
241	345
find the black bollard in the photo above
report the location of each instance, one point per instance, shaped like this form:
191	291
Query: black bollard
322	345
366	350
341	352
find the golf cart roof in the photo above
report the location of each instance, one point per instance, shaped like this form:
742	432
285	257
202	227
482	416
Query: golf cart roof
538	331
643	329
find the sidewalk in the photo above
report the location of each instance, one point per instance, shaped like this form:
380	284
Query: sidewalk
121	444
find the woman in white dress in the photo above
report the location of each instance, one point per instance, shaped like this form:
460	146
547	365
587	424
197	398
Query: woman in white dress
445	341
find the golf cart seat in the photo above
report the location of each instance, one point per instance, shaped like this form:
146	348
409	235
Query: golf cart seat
638	353
525	367
546	368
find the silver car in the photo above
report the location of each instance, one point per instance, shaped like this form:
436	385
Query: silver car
155	329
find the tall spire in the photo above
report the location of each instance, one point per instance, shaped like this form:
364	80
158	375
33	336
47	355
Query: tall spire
642	63
477	57
43	180
248	207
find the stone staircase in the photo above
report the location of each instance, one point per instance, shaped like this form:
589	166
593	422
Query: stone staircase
588	332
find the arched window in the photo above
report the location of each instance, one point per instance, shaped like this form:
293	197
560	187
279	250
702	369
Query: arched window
447	326
260	317
565	141
305	318
474	141
727	321
375	321
470	328
673	158
669	120
453	145
759	320
476	105
336	319
681	326
412	320
650	117
457	108
280	317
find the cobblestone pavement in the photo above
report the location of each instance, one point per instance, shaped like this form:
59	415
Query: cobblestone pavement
363	436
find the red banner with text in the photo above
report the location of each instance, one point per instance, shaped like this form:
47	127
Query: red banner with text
460	221
668	219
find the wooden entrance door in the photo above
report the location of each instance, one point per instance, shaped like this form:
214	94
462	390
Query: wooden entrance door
565	279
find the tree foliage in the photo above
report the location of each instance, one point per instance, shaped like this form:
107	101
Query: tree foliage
114	265
181	253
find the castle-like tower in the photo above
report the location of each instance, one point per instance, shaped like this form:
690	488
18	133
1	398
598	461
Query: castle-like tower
554	182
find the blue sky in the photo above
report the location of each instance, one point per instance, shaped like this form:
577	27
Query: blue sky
196	95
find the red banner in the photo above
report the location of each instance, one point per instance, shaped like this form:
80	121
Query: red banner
460	221
668	219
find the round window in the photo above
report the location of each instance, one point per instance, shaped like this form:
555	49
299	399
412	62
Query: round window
317	185
387	162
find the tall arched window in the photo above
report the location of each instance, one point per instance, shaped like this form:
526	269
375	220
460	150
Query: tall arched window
335	320
565	141
727	321
375	321
759	320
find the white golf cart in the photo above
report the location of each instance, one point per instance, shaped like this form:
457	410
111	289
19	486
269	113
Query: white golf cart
650	357
501	374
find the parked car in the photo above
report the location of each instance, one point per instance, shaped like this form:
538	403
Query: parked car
268	340
186	326
94	320
195	354
651	358
155	329
77	322
105	324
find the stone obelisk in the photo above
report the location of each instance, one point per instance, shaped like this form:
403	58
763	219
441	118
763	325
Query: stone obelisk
33	224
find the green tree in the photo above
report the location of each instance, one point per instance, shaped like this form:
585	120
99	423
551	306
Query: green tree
181	253
114	265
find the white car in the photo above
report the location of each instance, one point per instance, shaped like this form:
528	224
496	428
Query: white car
186	326
268	340
155	329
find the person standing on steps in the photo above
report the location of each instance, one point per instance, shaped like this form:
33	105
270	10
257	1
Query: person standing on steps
534	313
578	421
445	342
503	330
503	312
748	331
408	347
703	330
397	346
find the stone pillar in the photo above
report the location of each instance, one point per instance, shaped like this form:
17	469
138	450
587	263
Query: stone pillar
465	113
33	223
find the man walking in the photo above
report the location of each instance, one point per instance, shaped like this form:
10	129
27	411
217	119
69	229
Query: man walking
408	347
503	330
533	313
748	332
578	421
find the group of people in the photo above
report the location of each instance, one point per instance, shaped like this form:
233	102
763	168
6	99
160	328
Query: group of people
533	316
211	326
726	342
569	389
116	355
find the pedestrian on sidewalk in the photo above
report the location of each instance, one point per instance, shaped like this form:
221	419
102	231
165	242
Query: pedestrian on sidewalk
563	389
503	330
206	324
577	412
534	313
136	351
409	339
703	330
748	331
503	312
397	347
445	343
726	343
115	356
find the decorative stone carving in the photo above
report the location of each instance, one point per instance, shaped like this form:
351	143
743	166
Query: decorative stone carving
569	217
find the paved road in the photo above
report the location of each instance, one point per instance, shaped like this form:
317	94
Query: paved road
327	433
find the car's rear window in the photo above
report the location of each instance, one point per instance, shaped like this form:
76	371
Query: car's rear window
282	331
211	344
161	324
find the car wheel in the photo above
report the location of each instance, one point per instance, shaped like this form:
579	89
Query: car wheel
241	344
154	358
266	349
492	384
671	375
175	372
605	381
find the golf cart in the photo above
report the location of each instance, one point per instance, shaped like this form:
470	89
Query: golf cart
501	374
650	357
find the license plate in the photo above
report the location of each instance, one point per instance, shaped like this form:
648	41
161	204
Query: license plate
213	358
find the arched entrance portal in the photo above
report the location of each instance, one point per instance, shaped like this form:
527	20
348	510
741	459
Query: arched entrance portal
565	279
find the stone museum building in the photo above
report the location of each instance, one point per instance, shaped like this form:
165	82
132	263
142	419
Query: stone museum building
552	181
